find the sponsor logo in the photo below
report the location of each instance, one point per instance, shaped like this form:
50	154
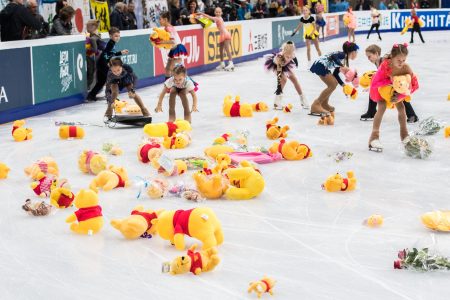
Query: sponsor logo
130	59
283	33
192	47
3	96
332	27
64	71
212	44
257	42
80	64
436	19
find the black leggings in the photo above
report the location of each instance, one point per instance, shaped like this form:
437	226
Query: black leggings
376	26
101	76
372	109
416	27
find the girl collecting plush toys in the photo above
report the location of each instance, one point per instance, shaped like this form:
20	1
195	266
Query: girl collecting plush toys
179	84
282	64
327	67
310	32
393	65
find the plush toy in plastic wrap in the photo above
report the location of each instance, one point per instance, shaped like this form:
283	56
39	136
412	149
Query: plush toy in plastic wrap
337	183
157	188
437	220
91	162
4	170
195	262
167	129
417	147
182	190
37	208
200	223
169	167
44	166
112	149
245	182
138	224
20	133
341	156
193	162
113	177
262	286
429	126
236	108
88	219
67	132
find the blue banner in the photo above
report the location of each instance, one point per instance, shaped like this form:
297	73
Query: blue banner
433	19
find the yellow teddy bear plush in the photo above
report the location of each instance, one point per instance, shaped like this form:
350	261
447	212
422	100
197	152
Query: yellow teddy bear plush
88	219
200	223
215	150
61	195
210	187
236	108
91	162
273	131
121	107
260	107
44	166
4	170
366	79
167	129
401	85
20	133
437	220
245	182
138	224
113	177
262	286
160	35
195	262
177	141
292	150
336	183
70	132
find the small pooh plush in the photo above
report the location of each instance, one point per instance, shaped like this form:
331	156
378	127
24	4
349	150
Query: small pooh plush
122	107
147	151
91	162
157	188
350	91
195	262
210	187
262	286
245	182
374	221
160	35
401	85
44	166
336	183
287	108
20	133
71	132
222	139
236	108
43	185
177	141
111	178
138	224
167	129
437	220
274	131
61	195
292	150
366	79
169	167
326	120
4	170
260	107
88	219
200	223
215	150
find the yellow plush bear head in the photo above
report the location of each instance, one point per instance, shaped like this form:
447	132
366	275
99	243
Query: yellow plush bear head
119	105
210	187
195	262
91	162
159	35
437	220
137	224
4	170
215	150
401	84
21	133
177	141
86	198
366	79
336	183
273	131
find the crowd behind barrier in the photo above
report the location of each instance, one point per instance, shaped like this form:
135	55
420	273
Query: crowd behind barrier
49	74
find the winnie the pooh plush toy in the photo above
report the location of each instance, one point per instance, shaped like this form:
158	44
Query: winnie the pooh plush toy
138	224
91	162
437	220
111	178
274	131
447	131
167	129
401	85
43	185
20	133
44	166
288	108
366	79
160	35
210	187
4	170
236	108
245	182
200	223
260	107
292	150
336	183
177	141
215	150
70	132
222	139
326	120
147	151
157	188
195	262
167	166
88	219
61	195
262	286
350	91
122	107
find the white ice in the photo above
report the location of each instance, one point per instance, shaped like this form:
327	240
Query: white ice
312	242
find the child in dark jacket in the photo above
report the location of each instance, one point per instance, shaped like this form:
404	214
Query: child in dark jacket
94	46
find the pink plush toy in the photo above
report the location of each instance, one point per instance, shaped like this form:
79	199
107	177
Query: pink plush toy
352	76
257	157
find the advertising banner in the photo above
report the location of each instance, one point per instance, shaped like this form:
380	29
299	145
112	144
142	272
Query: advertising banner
140	57
82	15
256	37
192	39
59	71
433	19
100	11
282	31
212	52
332	26
15	84
364	20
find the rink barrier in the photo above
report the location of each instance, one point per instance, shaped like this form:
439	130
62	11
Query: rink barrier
50	74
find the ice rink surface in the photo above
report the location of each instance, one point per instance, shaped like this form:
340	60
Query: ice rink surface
312	242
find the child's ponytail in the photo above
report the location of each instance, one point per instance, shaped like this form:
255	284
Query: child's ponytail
347	48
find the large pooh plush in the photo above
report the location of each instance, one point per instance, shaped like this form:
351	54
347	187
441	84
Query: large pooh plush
215	150
292	150
210	187
91	162
138	224
4	170
160	35
167	129
44	166
245	182
236	108
274	131
336	183
88	219
195	262
147	151
71	132
20	133
113	177
437	220
177	141
401	85
366	79
61	195
200	223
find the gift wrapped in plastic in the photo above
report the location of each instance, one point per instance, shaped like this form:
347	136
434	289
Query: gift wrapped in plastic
417	147
421	260
429	126
341	156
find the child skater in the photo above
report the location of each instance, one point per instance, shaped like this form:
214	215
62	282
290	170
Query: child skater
320	21
94	45
373	53
416	26
327	67
282	64
121	76
310	32
375	14
178	51
350	23
179	84
224	39
103	60
394	64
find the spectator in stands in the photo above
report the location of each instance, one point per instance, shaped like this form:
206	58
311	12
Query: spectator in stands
425	4
201	6
260	9
59	5
63	24
382	6
359	5
118	18
29	33
273	10
244	12
174	9
131	16
367	4
392	5
13	19
401	4
415	4
191	8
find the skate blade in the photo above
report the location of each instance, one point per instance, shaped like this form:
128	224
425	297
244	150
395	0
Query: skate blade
366	119
318	114
374	149
277	108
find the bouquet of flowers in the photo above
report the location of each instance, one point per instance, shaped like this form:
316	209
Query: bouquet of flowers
417	147
421	260
429	126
